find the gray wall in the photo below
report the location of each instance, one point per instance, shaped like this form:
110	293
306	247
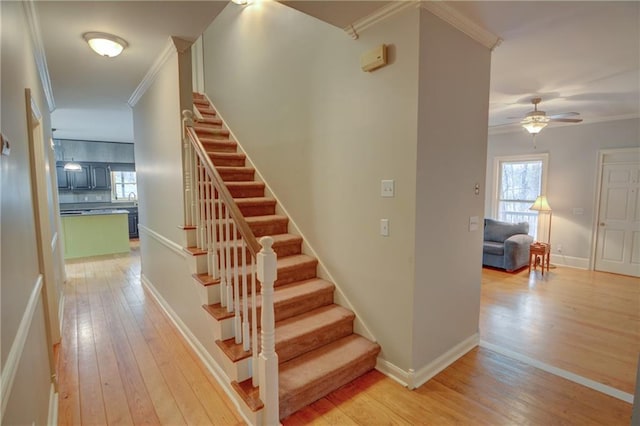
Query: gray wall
572	176
28	398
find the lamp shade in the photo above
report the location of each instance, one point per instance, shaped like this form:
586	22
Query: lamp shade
541	204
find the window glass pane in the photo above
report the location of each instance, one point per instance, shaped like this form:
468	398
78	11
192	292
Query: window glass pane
520	185
129	177
130	190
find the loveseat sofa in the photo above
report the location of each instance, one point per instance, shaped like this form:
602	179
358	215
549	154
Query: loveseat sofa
506	245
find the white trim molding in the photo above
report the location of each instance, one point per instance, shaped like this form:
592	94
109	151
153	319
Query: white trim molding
450	15
195	344
379	15
38	52
177	248
570	261
592	384
168	51
52	419
10	367
413	379
439	8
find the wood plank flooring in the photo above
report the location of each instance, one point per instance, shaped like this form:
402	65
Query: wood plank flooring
585	322
121	361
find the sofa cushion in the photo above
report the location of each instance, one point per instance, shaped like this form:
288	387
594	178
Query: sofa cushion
491	247
497	231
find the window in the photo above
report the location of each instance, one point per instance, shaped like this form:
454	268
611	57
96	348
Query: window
518	182
123	186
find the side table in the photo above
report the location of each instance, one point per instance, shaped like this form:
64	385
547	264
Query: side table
539	254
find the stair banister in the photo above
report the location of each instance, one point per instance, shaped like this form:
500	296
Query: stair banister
220	226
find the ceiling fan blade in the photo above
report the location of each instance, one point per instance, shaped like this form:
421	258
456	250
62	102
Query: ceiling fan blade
566	120
564	114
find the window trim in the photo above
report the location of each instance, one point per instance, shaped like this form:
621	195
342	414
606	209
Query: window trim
497	165
114	187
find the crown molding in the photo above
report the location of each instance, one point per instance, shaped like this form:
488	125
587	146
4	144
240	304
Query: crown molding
38	52
151	75
379	15
448	14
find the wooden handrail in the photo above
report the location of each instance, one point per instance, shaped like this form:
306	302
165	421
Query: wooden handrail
234	211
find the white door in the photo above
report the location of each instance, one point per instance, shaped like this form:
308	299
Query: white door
618	242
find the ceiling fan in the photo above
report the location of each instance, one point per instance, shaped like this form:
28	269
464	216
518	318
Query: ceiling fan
536	120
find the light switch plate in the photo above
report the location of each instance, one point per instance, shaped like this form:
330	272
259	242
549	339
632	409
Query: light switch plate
473	223
387	188
384	227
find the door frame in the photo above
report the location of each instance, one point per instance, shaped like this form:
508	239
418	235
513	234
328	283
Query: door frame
38	160
606	156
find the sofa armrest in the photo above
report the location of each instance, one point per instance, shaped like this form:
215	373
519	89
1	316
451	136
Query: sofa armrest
516	251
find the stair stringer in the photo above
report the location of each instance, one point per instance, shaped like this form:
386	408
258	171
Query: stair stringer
359	326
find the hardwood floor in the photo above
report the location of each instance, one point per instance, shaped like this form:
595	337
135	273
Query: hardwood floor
585	322
121	361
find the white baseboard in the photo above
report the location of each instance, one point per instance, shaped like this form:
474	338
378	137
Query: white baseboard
195	344
570	261
414	379
52	419
10	367
592	384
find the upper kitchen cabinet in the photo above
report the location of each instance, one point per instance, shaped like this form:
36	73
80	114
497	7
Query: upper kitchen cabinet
101	176
94	176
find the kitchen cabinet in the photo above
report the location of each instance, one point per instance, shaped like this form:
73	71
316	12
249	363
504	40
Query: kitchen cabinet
133	222
64	181
100	176
91	176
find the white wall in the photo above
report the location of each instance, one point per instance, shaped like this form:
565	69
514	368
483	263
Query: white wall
93	125
572	177
157	130
28	397
452	140
323	134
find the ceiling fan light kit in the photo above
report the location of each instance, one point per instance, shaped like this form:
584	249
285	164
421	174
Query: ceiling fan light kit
105	44
536	120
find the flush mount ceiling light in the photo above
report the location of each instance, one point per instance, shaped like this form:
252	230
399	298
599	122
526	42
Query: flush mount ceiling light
240	2
105	44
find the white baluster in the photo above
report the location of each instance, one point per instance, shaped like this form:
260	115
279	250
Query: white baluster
268	370
198	192
236	287
201	203
227	245
246	342
254	322
222	253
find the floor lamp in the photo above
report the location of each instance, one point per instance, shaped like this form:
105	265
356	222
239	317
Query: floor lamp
541	205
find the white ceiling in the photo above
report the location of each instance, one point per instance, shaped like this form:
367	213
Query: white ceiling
581	56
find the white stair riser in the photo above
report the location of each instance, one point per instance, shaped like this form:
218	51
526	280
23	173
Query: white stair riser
197	264
209	295
238	371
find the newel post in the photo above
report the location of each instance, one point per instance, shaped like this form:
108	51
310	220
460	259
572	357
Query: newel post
268	360
187	121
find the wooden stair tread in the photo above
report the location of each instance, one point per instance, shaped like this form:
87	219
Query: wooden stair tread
209	120
206	279
311	376
195	251
208	130
249	394
217	311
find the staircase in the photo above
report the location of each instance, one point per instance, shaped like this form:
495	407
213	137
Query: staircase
316	347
